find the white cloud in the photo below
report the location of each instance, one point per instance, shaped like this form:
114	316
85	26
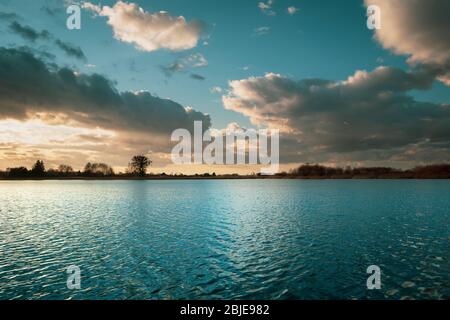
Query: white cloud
261	31
292	10
266	7
92	7
418	29
196	60
216	90
149	31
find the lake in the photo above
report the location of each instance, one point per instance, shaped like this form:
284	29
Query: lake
225	239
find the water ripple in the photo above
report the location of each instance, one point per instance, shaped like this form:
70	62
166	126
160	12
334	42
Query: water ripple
271	239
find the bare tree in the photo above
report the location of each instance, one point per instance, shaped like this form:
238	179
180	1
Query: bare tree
65	169
88	168
98	169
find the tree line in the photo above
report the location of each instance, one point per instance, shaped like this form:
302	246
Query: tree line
137	167
434	171
139	164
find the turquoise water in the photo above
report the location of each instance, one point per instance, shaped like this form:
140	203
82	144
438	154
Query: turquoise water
225	239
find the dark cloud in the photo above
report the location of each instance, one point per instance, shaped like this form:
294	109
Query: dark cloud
32	35
370	112
27	32
195	60
9	16
52	11
70	49
197	77
40	54
172	68
31	88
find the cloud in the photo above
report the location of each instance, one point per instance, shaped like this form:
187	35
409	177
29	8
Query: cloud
261	31
52	11
216	90
27	32
8	16
32	35
40	53
31	89
418	29
197	77
367	115
172	68
195	60
70	49
292	10
266	7
149	31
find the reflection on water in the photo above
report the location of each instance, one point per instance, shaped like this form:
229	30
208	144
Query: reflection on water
213	239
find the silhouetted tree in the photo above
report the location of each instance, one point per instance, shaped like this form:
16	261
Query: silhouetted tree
38	168
88	168
65	169
139	165
432	171
102	169
20	172
98	169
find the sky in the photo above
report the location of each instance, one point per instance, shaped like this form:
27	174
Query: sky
340	94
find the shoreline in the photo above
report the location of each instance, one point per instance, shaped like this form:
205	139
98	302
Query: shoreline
305	172
160	178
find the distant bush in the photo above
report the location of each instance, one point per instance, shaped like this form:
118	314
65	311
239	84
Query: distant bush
320	171
432	171
316	170
98	169
19	172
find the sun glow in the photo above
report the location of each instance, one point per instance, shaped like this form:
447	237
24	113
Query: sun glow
35	132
